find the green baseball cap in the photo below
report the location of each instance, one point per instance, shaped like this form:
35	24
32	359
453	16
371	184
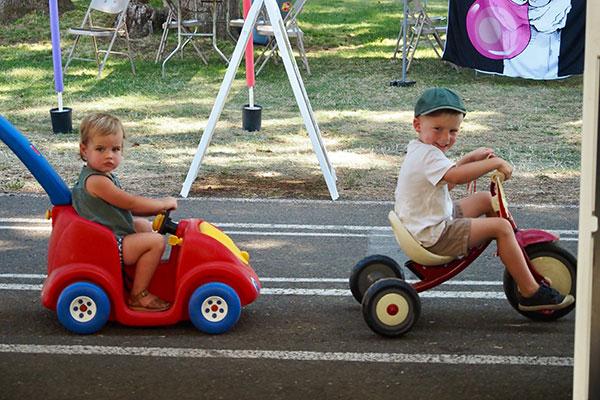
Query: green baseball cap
438	98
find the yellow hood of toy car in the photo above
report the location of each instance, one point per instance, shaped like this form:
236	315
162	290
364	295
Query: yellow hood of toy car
212	231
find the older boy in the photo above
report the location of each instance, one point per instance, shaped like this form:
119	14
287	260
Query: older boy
424	206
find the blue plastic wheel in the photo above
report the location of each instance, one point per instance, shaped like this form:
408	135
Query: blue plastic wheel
214	308
83	308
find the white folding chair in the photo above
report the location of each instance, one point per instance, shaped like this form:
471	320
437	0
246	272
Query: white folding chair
293	31
99	14
420	24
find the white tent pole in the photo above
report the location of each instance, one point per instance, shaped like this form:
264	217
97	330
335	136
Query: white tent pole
232	68
285	49
297	87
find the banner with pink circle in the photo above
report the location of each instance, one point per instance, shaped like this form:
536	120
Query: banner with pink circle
498	29
534	39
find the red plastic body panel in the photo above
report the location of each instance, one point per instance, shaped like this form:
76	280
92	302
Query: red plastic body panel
527	237
431	276
81	250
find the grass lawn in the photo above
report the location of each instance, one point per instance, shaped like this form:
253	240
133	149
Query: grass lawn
365	123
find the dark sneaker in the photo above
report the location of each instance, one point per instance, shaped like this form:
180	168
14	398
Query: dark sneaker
546	298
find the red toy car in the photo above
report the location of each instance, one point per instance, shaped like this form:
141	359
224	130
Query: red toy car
206	278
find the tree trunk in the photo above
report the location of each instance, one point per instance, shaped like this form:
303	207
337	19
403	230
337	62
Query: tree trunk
143	19
13	9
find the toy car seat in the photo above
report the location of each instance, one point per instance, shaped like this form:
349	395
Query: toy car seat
411	247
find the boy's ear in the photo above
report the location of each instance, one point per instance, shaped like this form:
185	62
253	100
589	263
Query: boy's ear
81	149
417	124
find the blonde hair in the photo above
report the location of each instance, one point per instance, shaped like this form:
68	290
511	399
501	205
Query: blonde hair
99	124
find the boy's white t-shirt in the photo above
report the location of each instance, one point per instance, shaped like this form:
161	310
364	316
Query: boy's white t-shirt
423	203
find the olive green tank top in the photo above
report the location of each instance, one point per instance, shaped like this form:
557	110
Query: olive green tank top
118	220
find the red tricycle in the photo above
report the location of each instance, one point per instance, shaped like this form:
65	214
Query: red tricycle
206	278
391	306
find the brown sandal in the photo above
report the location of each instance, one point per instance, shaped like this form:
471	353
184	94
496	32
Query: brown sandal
157	304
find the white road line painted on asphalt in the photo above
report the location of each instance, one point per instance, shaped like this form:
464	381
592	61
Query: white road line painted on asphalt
259	233
370	231
24	276
237	225
345	280
25	221
304	226
306	234
26	228
295	280
357	202
298	201
319	292
19	286
252	225
344	292
392	358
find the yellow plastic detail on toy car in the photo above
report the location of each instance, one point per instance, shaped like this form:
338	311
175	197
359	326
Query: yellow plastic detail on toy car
212	231
174	240
158	220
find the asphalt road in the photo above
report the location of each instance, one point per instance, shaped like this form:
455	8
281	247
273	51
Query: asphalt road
304	337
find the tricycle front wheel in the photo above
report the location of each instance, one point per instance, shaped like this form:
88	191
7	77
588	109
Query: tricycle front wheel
552	262
391	307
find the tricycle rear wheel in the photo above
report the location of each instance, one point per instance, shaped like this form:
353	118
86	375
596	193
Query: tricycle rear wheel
554	263
371	269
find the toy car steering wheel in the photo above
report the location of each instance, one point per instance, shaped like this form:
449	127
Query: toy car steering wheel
163	224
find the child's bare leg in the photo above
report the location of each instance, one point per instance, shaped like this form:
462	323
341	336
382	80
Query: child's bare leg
477	204
144	250
142	225
500	229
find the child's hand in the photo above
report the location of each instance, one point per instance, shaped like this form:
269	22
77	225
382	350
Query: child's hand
481	154
169	203
505	168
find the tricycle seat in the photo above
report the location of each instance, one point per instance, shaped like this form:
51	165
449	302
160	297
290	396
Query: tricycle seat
411	247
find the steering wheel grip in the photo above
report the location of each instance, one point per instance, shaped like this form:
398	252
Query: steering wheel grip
498	176
159	222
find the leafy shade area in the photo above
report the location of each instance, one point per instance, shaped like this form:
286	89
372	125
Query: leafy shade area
365	123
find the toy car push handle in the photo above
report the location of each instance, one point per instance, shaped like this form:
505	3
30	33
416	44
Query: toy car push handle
35	162
163	224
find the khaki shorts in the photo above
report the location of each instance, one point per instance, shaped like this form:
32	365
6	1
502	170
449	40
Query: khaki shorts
454	240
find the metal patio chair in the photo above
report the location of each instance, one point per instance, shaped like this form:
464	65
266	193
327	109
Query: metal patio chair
420	24
99	14
190	23
293	31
